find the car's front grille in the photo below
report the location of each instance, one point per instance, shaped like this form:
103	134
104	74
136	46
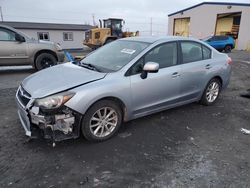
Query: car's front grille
23	96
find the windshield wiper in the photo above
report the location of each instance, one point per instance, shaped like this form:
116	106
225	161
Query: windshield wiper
89	66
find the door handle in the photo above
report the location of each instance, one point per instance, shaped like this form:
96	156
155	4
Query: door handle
175	75
208	66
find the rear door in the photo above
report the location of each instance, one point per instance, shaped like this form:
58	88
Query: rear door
12	52
160	89
195	65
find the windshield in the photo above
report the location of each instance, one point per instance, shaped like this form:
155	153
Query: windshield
25	35
115	55
117	25
207	38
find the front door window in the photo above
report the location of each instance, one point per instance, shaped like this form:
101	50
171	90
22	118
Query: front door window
6	35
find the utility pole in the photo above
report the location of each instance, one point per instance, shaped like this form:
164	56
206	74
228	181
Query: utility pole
151	26
1	13
93	16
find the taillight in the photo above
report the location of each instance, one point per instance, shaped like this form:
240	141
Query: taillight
229	61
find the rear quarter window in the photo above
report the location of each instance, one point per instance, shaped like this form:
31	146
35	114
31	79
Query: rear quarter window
207	53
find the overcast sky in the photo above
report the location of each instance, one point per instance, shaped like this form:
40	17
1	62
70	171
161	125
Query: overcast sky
136	13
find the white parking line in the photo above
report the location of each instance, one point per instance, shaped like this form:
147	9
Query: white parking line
241	61
248	62
15	67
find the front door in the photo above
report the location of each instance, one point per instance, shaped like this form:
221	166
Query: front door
158	90
12	52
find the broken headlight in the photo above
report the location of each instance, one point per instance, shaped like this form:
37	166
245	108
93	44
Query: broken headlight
54	101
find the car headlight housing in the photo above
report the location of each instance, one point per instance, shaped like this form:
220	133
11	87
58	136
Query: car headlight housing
54	101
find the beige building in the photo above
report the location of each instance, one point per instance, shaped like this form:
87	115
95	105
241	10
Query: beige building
212	18
69	36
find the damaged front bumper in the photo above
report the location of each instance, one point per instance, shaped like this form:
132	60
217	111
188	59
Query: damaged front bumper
57	125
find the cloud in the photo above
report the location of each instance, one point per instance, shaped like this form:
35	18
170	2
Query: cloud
137	14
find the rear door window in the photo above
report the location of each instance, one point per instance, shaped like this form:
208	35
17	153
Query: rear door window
191	51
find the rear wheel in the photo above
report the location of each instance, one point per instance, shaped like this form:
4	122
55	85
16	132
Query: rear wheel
102	121
228	48
211	93
45	60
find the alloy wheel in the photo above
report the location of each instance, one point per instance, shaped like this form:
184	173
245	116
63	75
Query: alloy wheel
103	122
212	92
47	62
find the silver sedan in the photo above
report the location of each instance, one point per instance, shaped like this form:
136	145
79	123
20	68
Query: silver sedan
124	80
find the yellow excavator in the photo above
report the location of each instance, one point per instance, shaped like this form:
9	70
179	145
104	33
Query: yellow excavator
109	30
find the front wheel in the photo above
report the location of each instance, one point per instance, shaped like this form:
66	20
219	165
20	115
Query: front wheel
211	93
45	60
101	121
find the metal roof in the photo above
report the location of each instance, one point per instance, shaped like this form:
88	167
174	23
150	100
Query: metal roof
147	39
153	39
47	26
113	19
210	3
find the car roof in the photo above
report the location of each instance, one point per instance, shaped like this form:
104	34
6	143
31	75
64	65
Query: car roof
221	36
9	27
6	26
153	39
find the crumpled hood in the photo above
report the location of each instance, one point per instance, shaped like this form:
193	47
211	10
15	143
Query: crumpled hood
59	78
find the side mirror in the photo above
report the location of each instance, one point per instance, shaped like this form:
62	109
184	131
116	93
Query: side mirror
149	67
19	38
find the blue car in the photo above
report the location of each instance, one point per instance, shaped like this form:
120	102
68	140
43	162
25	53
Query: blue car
221	43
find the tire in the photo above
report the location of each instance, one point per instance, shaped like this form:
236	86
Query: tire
213	93
109	41
92	117
228	48
45	60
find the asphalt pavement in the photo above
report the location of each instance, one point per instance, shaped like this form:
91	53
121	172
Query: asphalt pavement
189	146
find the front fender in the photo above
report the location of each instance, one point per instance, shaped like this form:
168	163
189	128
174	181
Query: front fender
88	94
